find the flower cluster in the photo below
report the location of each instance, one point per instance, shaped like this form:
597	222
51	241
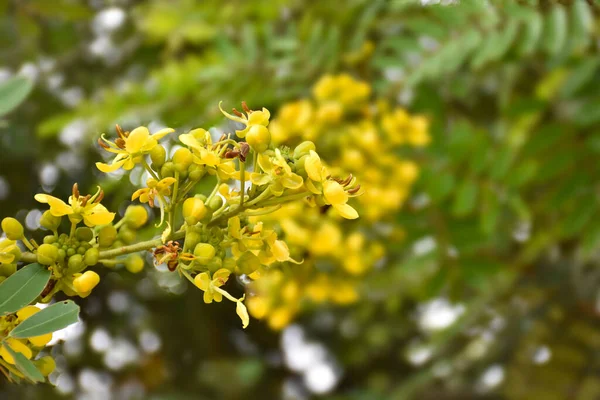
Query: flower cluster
204	237
364	140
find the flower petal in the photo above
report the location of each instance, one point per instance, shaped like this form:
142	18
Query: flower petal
136	140
58	208
346	211
99	218
106	168
242	312
162	133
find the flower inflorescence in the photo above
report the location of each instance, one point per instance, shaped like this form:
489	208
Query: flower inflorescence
204	237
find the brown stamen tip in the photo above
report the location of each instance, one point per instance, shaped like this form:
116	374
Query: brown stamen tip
236	112
151	201
85	200
245	107
346	181
120	142
100	197
75	191
232	154
102	144
354	190
120	131
172	265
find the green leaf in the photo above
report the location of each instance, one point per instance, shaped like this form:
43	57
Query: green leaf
466	198
26	367
13	92
555	34
50	319
579	77
22	287
582	23
529	40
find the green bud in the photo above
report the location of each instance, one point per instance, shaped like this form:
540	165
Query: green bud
126	235
71	252
215	203
215	264
248	263
91	257
204	252
158	155
303	149
62	254
50	239
195	172
47	254
192	239
229	264
7	270
50	221
75	263
134	263
136	216
182	159
84	233
12	228
107	236
167	170
81	250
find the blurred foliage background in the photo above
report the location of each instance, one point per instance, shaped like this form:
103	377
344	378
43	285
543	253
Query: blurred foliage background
489	284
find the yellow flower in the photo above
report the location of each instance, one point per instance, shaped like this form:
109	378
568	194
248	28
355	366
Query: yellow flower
242	312
26	312
333	192
130	147
8	251
210	285
156	191
207	153
250	119
279	175
80	208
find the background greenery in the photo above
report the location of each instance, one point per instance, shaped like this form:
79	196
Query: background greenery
493	293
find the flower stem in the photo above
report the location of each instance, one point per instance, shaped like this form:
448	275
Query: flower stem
150	170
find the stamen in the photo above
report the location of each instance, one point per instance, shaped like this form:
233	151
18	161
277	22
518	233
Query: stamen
120	132
354	190
236	112
75	191
245	107
100	197
120	142
103	145
85	200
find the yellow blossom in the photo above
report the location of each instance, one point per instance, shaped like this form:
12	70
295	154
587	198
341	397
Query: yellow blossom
278	174
8	251
80	208
130	147
155	192
26	312
210	285
18	346
207	153
249	119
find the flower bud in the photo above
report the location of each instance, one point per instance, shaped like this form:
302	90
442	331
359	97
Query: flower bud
84	234
47	254
215	203
107	236
167	170
192	239
134	263
136	216
193	210
303	149
259	138
84	283
182	159
158	155
195	172
75	263
248	263
46	365
91	256
49	221
7	270
49	239
12	228
215	264
204	252
126	235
